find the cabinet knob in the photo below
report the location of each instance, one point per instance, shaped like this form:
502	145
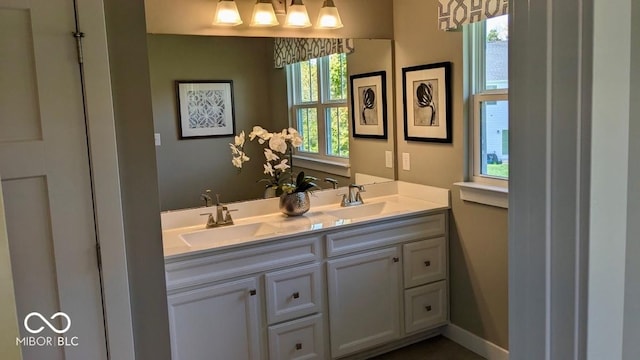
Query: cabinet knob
396	259
427	263
295	295
298	346
428	307
252	292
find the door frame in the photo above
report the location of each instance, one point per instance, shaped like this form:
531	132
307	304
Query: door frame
106	180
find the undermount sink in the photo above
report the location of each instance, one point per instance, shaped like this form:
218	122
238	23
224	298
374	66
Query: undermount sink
360	211
227	233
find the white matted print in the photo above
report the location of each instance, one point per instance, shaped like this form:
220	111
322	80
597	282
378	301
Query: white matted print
205	108
427	102
369	105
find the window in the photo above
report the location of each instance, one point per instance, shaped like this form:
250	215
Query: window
490	101
318	110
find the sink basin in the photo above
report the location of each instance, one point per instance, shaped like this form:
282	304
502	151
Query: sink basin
360	211
227	233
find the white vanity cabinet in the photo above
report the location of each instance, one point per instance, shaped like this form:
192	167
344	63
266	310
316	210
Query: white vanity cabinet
216	322
339	292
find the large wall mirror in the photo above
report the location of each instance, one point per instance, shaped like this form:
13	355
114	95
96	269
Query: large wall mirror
188	166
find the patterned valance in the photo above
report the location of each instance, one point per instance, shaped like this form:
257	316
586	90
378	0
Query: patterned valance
292	50
454	13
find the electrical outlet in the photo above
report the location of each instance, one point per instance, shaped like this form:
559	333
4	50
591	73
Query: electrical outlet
406	161
388	159
157	138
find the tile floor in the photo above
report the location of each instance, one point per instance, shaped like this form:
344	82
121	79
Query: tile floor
437	348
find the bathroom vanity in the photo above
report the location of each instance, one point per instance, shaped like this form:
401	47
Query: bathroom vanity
337	282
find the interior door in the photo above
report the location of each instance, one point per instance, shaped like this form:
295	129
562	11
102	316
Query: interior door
44	168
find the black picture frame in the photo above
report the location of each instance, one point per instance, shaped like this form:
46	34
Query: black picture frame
205	108
368	91
423	103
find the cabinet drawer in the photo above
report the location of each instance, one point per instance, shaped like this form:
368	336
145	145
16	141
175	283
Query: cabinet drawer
292	293
386	233
425	306
297	339
424	262
200	269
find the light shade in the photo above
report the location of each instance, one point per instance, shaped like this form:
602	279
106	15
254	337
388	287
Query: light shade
297	15
329	18
263	14
227	14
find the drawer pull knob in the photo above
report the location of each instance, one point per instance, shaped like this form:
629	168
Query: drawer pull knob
298	346
295	295
396	259
252	292
427	263
428	307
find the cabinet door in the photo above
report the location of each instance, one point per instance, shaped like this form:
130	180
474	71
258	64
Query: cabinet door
216	322
364	300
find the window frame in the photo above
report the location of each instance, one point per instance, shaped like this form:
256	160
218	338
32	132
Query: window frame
476	34
321	161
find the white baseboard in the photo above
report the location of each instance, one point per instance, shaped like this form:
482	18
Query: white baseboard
478	345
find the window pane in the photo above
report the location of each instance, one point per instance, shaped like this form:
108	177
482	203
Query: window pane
337	77
338	131
494	143
496	51
308	128
308	81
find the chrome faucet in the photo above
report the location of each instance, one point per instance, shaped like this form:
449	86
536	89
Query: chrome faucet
223	215
206	197
333	182
353	197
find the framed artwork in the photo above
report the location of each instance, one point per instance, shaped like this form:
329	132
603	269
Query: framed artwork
369	105
205	108
426	94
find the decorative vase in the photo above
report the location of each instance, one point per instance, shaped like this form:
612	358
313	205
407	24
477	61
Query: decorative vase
270	192
295	204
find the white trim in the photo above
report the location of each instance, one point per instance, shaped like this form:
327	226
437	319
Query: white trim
478	345
331	167
484	194
106	179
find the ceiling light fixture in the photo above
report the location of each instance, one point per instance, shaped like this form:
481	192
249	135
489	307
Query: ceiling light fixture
297	15
227	14
264	14
329	18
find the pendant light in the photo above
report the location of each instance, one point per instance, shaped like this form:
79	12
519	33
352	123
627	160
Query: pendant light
329	18
264	14
227	14
297	15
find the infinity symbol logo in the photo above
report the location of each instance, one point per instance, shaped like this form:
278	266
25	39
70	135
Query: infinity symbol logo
53	328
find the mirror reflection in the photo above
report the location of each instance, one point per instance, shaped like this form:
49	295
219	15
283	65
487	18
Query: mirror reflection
315	94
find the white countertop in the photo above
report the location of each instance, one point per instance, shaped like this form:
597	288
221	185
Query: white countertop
260	221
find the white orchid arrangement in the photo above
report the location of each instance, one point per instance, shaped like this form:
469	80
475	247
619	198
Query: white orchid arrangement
279	158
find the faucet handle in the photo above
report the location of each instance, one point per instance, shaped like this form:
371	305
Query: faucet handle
217	199
227	215
211	222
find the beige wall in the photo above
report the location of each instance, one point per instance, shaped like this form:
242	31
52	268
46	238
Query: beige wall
129	68
367	156
8	316
187	167
367	19
478	248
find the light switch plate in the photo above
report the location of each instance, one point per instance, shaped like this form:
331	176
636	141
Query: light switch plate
406	161
157	138
388	159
